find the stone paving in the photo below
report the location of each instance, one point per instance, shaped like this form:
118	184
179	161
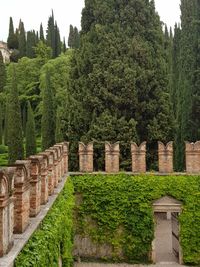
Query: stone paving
161	264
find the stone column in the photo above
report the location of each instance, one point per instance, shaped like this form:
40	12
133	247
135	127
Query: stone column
86	157
138	157
50	175
22	195
165	157
44	178
60	147
6	210
192	151
35	197
55	165
65	156
57	149
112	157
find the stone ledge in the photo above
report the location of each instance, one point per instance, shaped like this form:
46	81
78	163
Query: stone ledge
20	240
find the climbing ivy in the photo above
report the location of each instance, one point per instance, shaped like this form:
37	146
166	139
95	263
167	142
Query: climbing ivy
53	239
119	208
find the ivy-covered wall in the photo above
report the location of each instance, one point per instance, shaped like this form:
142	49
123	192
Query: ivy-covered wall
116	210
54	238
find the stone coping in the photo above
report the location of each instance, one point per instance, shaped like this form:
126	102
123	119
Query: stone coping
20	240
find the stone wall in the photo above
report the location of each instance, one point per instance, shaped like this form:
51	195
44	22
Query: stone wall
112	157
192	157
165	157
138	157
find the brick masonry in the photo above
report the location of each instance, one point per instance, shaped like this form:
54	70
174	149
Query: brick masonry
165	157
192	151
138	157
112	157
86	157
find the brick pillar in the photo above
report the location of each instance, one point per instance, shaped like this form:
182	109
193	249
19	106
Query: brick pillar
35	197
65	156
138	157
50	175
22	195
57	149
6	210
112	157
60	148
55	165
86	157
44	178
192	151
165	157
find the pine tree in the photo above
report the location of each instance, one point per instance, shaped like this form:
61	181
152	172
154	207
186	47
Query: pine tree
22	40
42	33
15	138
48	116
121	68
12	40
30	133
2	73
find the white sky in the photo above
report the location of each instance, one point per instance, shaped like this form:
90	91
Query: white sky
66	12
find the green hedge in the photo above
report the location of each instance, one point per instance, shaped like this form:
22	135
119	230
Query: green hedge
124	202
54	237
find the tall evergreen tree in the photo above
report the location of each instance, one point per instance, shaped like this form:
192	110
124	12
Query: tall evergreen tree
71	36
57	41
12	40
58	132
15	138
31	43
2	73
48	116
1	122
51	34
41	33
64	46
76	41
30	133
5	128
120	68
22	40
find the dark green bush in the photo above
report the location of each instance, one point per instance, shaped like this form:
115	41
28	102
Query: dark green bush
54	237
124	202
3	149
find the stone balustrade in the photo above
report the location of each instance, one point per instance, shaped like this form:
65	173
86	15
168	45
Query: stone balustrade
30	182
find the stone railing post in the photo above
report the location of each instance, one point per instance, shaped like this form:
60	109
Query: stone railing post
138	157
50	174
6	210
86	157
60	148
165	157
35	197
44	178
22	195
192	151
65	156
112	157
57	149
55	165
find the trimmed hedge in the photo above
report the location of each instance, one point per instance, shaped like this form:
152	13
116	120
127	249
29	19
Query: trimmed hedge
114	202
54	238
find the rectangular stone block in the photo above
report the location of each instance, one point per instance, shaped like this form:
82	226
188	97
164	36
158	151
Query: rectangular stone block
138	157
192	151
165	157
112	157
86	157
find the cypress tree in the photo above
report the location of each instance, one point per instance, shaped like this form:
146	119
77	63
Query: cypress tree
12	40
30	133
71	36
41	33
76	41
57	41
31	44
58	133
64	46
2	73
5	129
14	127
121	68
22	40
51	34
48	116
1	121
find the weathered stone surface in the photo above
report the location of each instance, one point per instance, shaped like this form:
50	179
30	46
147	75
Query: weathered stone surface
66	152
50	174
112	157
21	195
192	157
60	160
44	178
35	195
55	165
165	157
138	157
86	157
6	209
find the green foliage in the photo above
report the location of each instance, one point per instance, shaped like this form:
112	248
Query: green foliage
48	115
22	40
31	44
14	123
74	37
54	236
2	73
30	133
117	210
58	132
12	40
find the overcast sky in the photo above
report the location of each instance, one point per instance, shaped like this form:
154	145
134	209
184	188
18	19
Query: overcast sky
66	12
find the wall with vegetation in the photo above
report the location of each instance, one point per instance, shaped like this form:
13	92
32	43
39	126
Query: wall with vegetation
53	239
116	211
